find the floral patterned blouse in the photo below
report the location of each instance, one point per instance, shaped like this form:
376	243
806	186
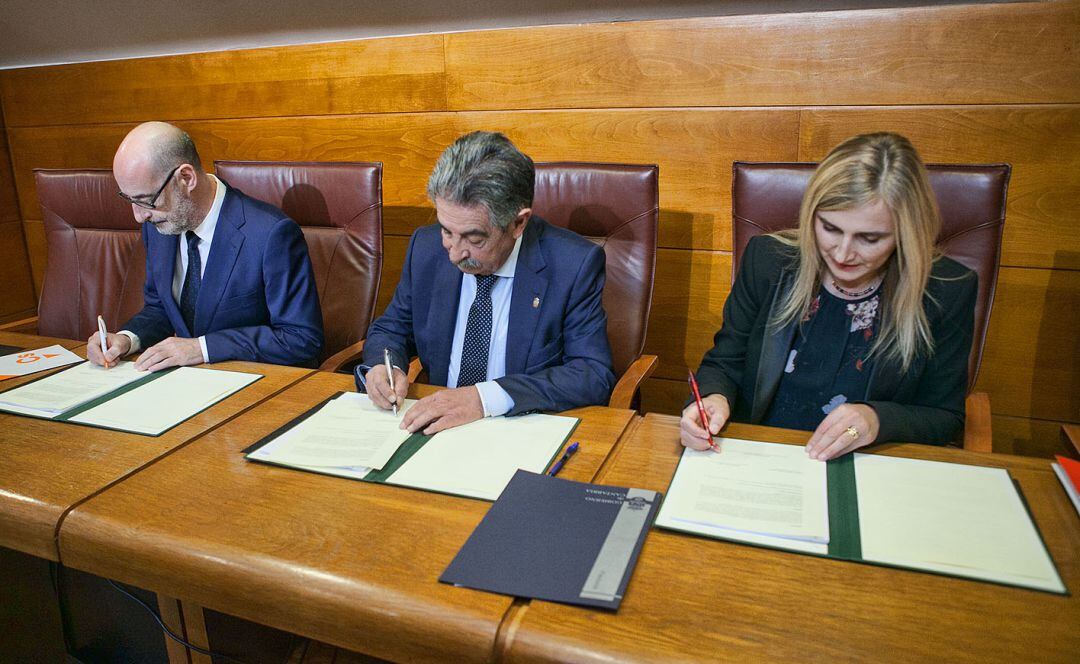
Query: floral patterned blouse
828	363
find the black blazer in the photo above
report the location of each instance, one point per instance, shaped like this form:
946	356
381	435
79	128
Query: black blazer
924	404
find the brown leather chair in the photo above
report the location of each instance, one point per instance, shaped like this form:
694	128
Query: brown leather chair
765	197
339	208
618	207
96	260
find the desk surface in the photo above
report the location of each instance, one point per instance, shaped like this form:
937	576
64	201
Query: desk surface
31	341
342	561
48	467
705	600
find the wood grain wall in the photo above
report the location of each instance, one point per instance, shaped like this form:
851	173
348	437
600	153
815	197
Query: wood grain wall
980	83
17	299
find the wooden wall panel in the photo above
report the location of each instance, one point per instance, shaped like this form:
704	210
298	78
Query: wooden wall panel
9	199
1041	142
34	233
17	299
1021	435
997	82
370	76
407	144
1031	362
943	55
17	292
688	301
694	149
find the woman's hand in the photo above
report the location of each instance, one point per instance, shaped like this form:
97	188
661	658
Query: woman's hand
692	432
848	427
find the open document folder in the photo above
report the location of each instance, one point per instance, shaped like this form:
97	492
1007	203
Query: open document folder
947	518
347	436
123	398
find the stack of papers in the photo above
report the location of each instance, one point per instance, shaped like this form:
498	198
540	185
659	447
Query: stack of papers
56	394
123	398
762	493
349	432
350	437
947	518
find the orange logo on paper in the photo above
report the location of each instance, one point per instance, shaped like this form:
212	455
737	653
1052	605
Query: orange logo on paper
27	358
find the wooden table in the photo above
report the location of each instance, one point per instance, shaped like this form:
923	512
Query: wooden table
46	468
696	599
31	341
350	563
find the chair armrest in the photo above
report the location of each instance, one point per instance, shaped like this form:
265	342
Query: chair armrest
415	368
1070	435
343	357
977	436
24	326
631	380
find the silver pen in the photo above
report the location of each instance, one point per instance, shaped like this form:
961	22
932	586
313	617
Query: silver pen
390	377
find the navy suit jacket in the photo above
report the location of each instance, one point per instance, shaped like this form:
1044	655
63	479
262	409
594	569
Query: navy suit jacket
258	300
557	351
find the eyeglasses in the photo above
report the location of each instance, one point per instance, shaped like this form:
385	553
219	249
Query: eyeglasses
152	203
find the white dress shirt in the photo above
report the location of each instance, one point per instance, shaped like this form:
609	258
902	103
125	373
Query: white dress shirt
494	398
205	231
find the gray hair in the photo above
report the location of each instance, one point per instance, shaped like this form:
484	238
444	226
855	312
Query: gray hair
485	168
173	149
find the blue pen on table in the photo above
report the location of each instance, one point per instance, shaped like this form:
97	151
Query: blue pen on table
563	459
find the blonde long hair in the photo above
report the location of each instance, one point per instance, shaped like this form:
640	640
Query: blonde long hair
861	170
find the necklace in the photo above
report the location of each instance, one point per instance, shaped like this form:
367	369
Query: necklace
866	291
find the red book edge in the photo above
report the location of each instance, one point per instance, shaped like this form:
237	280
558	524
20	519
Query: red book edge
1072	469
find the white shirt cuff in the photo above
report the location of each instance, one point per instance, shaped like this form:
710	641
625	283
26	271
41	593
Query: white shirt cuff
134	338
205	353
494	398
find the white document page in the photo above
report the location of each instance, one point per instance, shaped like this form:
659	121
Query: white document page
349	431
950	518
166	401
478	459
64	390
760	493
31	361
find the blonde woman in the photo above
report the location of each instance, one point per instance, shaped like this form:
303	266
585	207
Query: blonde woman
853	326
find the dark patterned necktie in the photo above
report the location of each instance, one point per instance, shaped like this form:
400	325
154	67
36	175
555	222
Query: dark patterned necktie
189	295
474	351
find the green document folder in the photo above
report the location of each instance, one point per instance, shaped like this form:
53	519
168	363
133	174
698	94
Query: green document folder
895	542
398	465
175	412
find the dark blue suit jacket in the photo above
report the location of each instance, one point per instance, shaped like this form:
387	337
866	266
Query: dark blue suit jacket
258	300
557	352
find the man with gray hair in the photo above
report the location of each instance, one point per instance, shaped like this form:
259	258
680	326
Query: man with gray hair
227	277
513	321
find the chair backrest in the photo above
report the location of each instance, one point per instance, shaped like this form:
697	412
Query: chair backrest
765	197
339	208
96	260
618	207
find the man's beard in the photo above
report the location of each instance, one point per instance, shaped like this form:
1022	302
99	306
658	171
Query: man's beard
183	218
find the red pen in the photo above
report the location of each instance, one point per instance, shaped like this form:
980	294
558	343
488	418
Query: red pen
701	411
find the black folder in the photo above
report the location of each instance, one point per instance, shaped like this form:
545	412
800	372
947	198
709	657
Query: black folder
558	540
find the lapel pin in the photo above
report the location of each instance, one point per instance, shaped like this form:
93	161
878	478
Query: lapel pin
536	303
